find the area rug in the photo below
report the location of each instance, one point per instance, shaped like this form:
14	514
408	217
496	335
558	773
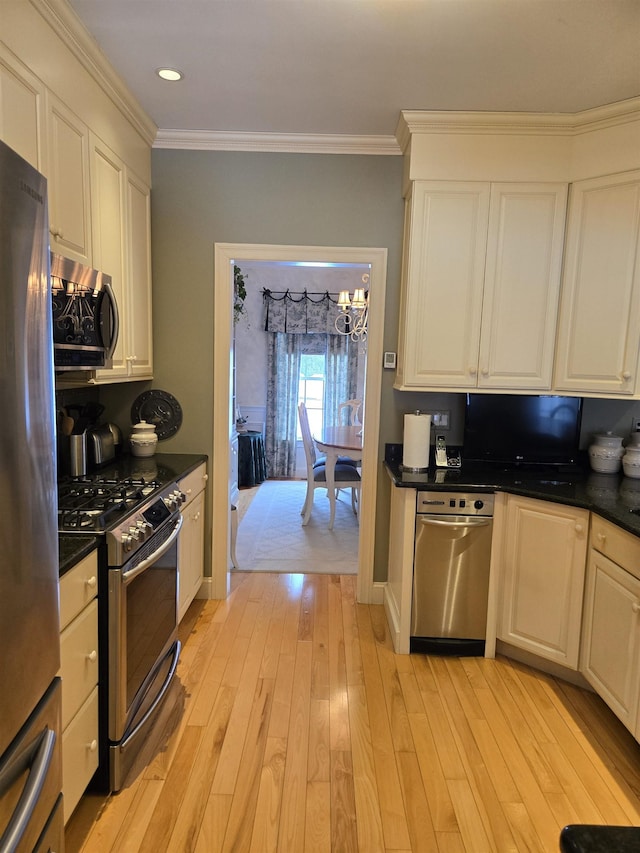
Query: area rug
271	537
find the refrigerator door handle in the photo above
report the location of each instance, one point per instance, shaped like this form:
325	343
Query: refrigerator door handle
37	758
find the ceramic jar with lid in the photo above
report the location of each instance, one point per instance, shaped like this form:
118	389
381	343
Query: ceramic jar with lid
631	461
605	453
143	439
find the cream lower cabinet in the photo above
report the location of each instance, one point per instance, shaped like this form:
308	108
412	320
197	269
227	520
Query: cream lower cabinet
543	573
79	672
481	277
610	658
191	542
599	323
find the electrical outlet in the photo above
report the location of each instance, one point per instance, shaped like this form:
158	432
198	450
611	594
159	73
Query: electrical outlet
635	424
441	419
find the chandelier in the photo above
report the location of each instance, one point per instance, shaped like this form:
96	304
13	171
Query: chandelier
354	312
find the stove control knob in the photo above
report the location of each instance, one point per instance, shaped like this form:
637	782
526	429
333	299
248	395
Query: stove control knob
181	497
478	504
145	528
126	541
170	503
134	532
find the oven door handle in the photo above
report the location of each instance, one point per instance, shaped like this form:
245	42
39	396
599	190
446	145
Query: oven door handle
161	693
132	574
472	521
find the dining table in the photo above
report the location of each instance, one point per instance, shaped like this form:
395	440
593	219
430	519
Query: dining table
335	441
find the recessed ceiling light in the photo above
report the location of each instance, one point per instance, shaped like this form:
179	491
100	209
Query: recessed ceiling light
169	74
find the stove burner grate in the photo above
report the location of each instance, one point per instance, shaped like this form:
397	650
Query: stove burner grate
86	504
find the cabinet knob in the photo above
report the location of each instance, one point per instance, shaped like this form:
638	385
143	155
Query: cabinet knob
91	582
579	528
485	371
473	370
93	656
635	607
92	746
626	376
601	538
205	477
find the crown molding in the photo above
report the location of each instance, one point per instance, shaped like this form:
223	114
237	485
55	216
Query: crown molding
63	20
513	123
290	143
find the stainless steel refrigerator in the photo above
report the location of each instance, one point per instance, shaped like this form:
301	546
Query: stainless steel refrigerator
30	733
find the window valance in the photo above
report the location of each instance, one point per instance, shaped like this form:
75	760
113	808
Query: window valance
300	312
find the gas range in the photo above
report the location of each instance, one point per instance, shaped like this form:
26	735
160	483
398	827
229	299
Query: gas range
128	511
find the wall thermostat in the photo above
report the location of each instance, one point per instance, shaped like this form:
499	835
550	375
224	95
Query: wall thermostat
389	360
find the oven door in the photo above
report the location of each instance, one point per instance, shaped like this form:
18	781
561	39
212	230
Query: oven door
143	649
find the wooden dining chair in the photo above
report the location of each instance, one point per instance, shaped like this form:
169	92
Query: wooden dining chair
352	410
346	474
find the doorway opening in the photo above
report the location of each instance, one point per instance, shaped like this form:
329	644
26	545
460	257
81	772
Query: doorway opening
226	256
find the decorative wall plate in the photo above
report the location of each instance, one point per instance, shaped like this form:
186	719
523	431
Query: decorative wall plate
159	408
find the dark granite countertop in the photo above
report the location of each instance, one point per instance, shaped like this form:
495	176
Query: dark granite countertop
72	548
612	496
585	838
164	467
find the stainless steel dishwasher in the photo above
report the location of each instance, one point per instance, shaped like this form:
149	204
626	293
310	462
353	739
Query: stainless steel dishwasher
451	572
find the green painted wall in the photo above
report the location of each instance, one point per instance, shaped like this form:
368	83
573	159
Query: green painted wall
203	197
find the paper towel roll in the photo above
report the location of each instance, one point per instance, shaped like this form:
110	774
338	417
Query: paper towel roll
417	433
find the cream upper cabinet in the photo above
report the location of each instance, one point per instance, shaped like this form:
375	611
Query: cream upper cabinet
22	110
139	328
599	323
121	236
481	277
521	285
442	284
543	573
68	174
610	658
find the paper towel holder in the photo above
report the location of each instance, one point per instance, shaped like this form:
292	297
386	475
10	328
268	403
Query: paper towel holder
418	469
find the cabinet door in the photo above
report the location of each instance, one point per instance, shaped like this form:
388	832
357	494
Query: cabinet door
521	287
611	637
139	321
68	174
543	578
109	200
599	324
191	553
22	123
443	280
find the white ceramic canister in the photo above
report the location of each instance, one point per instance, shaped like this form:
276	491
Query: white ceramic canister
606	452
143	439
631	461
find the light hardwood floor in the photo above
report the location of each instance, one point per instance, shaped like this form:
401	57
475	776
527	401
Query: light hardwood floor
294	727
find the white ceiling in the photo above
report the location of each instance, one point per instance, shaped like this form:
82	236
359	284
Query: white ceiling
349	67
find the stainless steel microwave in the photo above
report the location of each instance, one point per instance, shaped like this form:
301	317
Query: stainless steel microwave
85	316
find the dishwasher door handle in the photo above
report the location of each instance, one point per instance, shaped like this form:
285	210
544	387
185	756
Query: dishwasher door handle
472	521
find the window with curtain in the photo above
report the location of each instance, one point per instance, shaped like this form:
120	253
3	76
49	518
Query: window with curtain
306	359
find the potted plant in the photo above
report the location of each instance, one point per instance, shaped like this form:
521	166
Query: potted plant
239	293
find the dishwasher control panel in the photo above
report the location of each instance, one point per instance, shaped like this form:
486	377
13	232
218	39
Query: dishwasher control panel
455	503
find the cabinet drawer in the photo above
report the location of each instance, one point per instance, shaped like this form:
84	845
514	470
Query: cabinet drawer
77	587
79	753
194	482
621	547
79	660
